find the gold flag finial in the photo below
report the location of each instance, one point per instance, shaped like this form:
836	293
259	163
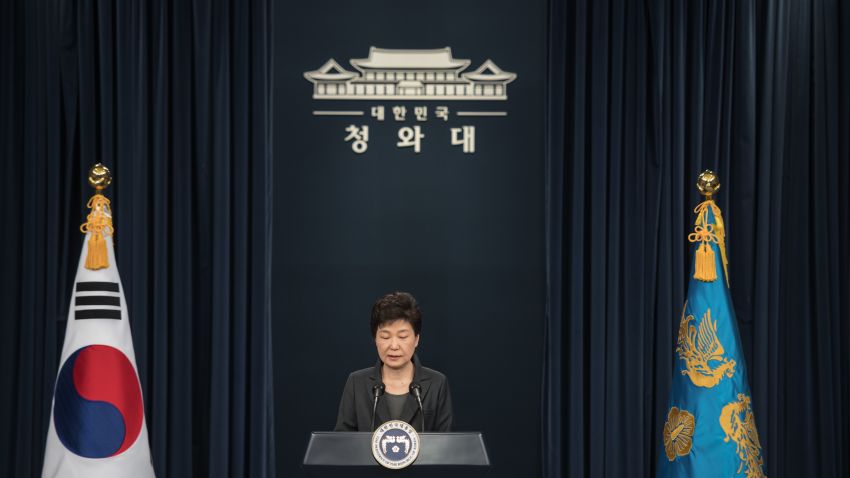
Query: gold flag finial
99	177
708	183
99	220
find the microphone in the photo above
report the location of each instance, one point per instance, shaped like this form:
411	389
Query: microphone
416	390
377	391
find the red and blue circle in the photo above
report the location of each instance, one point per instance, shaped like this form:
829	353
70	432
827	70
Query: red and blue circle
97	408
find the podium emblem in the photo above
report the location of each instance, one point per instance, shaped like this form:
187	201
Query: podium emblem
395	444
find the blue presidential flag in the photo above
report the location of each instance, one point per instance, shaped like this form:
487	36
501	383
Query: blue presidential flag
709	428
97	423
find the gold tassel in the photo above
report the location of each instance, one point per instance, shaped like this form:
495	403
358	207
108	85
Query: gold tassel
99	224
97	257
704	266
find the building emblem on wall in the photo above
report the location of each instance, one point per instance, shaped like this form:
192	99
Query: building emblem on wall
394	74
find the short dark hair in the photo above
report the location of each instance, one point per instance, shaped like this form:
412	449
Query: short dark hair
396	306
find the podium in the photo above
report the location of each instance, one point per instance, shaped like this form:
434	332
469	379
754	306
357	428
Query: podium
349	454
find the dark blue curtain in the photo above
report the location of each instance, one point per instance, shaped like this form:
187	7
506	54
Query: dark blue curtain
644	95
174	97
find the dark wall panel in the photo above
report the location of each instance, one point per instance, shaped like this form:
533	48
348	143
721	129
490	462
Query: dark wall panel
462	232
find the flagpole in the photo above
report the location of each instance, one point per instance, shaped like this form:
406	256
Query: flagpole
97	365
710	428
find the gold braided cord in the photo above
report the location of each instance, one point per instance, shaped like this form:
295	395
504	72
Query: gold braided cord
99	219
99	224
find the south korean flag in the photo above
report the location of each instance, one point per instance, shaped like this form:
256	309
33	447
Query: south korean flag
97	423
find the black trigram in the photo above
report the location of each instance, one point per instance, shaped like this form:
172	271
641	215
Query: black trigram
104	298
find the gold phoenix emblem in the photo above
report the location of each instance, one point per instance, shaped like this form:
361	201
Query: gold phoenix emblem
699	346
678	433
738	422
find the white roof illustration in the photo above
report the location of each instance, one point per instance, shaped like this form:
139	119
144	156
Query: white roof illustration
331	71
385	58
488	71
437	76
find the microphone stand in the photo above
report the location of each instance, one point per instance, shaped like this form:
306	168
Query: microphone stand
377	391
416	389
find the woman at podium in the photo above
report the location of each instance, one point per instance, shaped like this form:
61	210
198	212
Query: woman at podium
398	387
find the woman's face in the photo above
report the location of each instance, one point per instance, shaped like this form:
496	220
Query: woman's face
396	343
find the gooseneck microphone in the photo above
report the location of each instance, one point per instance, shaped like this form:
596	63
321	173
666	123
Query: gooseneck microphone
377	391
416	390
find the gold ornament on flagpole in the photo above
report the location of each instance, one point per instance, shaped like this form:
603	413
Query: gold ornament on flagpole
708	183
99	220
100	177
705	233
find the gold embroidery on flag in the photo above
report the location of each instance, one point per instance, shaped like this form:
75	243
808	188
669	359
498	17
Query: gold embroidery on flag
678	433
738	422
699	346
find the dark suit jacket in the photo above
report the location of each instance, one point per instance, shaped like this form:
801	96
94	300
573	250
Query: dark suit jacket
355	407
